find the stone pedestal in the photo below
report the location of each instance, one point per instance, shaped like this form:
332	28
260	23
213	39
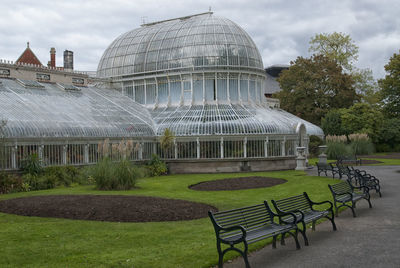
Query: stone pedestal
322	158
301	158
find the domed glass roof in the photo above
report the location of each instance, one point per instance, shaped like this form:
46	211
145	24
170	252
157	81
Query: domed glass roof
197	41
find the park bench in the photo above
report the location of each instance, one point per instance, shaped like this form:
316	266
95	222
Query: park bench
345	171
348	160
248	225
344	192
367	180
303	208
325	167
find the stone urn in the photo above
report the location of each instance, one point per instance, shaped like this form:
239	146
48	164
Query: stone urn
301	158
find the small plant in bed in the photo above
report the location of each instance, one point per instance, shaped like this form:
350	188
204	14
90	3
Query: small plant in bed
111	175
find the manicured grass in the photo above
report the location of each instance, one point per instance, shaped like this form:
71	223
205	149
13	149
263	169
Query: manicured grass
385	162
49	242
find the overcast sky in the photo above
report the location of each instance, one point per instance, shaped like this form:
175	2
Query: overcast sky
281	29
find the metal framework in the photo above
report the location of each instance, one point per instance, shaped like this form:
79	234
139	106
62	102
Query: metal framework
199	76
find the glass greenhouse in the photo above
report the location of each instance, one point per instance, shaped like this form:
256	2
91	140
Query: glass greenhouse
200	76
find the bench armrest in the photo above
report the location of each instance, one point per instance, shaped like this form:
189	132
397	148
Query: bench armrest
296	219
364	188
323	202
232	228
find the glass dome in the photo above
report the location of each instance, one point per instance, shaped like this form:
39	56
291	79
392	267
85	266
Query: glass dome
194	42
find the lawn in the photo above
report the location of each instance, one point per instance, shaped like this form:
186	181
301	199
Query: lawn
385	162
50	242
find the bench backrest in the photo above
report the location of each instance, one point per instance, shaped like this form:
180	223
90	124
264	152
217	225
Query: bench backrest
341	188
343	169
324	165
250	217
299	202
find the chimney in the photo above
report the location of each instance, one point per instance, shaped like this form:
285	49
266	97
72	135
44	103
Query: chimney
52	62
68	60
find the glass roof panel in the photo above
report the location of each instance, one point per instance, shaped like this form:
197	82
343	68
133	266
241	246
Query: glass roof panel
54	112
169	40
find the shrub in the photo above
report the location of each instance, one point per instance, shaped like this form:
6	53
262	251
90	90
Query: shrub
65	175
31	164
314	144
10	183
361	144
156	166
110	175
40	182
335	150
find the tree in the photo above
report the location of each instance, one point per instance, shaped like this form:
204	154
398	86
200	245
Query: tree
391	87
342	49
390	133
336	46
366	86
332	123
167	139
313	86
362	118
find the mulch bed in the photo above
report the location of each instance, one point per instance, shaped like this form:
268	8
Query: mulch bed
114	208
236	184
369	161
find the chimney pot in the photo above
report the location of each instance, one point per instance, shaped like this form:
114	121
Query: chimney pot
52	57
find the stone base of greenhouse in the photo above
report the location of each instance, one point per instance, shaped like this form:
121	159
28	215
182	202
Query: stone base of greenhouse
186	155
231	165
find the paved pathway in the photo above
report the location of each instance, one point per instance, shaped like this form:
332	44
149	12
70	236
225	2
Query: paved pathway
372	239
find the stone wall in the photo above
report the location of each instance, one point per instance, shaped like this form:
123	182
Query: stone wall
231	165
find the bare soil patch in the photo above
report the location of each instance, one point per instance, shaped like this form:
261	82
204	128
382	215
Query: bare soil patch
241	183
114	208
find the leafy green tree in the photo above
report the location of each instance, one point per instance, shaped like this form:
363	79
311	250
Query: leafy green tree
343	50
362	118
313	86
390	133
391	87
366	86
332	123
338	47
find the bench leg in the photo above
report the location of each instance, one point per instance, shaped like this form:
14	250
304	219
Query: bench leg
369	201
243	253
283	239
332	219
313	226
337	209
353	205
220	256
303	233
246	261
274	241
295	238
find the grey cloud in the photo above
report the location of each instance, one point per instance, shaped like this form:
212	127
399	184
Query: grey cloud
281	29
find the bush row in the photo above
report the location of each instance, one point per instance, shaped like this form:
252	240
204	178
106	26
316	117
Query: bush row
354	144
106	175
